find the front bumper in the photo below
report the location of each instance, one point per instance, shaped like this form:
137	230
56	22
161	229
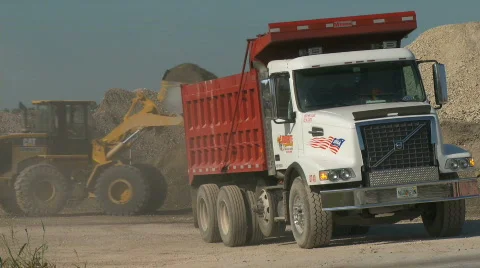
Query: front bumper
384	196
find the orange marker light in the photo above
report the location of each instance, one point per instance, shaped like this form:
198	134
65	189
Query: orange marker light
323	176
472	162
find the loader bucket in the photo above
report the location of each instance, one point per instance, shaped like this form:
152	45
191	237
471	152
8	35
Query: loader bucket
171	97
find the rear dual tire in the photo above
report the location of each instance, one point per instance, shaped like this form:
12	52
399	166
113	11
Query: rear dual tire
232	216
207	213
226	214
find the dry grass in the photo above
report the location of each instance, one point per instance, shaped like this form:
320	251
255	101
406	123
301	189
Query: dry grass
25	255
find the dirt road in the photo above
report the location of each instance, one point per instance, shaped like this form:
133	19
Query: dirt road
169	239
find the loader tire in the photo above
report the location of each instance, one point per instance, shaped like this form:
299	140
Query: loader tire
311	226
207	213
158	187
444	219
42	190
254	234
122	191
232	216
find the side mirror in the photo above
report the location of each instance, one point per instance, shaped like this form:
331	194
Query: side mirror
440	83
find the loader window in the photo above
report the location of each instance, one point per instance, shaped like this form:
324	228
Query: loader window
368	83
42	119
76	127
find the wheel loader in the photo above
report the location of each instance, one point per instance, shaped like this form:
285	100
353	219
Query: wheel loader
55	162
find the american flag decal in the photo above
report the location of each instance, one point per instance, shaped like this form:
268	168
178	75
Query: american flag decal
331	143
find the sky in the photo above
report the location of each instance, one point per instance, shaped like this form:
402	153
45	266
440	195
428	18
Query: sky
79	49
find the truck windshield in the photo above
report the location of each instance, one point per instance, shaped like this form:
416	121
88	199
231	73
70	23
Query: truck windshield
368	83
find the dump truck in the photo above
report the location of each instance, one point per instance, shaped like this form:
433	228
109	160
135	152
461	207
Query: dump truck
328	128
55	162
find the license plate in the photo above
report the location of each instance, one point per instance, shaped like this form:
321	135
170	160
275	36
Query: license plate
407	192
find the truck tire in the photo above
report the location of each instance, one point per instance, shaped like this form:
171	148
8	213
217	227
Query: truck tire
193	195
122	191
266	220
444	219
207	213
311	226
158	187
42	190
232	216
254	234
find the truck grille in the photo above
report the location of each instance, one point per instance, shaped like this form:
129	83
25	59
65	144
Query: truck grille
396	146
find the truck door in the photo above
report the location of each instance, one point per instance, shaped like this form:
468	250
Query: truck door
286	130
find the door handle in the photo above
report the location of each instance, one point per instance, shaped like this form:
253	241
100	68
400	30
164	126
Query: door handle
316	131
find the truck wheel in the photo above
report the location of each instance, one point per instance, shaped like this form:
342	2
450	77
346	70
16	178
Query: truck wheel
122	190
254	234
193	195
311	226
232	216
207	213
266	220
444	219
41	190
158	187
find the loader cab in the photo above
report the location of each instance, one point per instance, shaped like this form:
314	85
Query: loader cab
66	123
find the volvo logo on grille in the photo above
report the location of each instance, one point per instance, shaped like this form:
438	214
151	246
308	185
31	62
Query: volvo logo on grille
398	145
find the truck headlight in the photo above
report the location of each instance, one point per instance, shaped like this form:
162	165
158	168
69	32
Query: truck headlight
460	163
334	175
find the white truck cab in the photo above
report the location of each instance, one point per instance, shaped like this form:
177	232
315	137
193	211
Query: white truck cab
359	132
329	107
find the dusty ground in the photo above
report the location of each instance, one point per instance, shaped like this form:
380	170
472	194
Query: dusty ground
169	239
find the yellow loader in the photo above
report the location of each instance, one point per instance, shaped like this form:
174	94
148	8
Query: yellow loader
55	161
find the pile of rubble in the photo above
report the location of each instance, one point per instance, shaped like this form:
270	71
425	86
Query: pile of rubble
10	123
458	47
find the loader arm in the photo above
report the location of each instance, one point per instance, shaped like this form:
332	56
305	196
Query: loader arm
123	136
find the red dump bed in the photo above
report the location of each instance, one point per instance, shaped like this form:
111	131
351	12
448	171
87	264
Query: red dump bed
217	141
208	110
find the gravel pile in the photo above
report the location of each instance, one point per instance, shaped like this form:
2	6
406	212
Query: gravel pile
10	123
188	73
458	47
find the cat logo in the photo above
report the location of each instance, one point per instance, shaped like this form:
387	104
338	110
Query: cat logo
29	142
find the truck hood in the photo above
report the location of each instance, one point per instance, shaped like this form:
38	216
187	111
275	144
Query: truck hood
348	115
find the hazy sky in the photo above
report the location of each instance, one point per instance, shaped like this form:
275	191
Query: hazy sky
79	49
